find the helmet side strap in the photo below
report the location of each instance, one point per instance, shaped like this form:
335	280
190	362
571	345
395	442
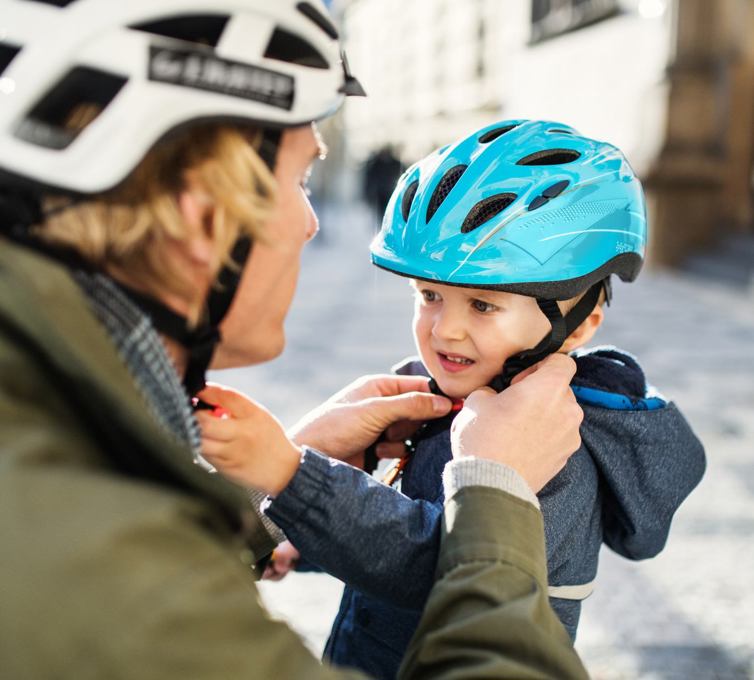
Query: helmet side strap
19	210
583	308
562	327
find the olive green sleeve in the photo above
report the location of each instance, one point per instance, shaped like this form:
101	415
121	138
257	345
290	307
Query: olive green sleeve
196	612
187	607
488	614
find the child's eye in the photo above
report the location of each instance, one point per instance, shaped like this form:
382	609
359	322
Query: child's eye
429	295
483	307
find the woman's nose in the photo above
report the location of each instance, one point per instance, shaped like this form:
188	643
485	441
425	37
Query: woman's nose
312	225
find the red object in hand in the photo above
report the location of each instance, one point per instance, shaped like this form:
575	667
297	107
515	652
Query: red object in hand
214	409
456	405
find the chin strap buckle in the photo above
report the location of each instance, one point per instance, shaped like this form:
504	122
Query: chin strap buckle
396	470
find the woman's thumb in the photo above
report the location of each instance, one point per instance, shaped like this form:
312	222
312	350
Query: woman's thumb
413	406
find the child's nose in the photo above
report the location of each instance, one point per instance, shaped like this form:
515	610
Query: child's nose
448	326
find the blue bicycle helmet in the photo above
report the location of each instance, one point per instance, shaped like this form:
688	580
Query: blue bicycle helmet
528	207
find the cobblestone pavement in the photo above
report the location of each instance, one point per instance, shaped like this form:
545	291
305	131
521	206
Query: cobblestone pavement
688	613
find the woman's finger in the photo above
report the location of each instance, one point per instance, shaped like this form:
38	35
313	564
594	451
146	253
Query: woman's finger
520	376
237	403
218	429
214	449
391	450
387	385
398	432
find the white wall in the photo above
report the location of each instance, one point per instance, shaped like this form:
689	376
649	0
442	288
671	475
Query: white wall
607	80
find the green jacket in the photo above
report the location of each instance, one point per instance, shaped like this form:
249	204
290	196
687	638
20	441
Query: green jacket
123	559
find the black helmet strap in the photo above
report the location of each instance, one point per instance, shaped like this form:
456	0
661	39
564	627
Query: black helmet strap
200	341
19	209
562	327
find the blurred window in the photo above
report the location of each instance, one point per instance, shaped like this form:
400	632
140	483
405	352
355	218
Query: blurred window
551	18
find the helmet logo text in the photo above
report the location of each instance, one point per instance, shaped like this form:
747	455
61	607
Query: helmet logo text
211	73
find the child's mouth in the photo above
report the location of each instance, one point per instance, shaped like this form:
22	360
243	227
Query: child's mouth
454	362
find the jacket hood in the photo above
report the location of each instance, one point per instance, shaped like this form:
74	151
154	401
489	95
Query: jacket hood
647	456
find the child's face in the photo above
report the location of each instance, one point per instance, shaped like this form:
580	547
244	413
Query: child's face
464	335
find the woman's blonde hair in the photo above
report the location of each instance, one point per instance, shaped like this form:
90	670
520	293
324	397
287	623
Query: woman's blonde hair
125	227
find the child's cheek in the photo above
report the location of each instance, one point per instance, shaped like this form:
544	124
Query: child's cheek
422	332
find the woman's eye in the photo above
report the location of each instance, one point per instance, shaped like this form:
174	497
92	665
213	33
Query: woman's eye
482	306
305	181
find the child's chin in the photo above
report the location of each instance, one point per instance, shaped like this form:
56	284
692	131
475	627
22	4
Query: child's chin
457	389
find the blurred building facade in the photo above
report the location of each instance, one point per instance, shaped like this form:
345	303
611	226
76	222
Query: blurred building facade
671	82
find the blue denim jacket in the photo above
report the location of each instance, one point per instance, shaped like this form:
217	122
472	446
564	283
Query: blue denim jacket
638	461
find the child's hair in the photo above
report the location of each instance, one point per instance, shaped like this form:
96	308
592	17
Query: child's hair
121	227
567	305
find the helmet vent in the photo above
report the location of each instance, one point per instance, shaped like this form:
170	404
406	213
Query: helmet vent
408	198
443	188
486	210
70	107
285	46
550	157
312	13
7	52
560	131
200	29
556	189
494	134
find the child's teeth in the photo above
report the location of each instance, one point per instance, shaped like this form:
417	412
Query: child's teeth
459	360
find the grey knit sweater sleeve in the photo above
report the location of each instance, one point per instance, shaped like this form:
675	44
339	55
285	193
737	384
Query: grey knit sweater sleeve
466	472
258	499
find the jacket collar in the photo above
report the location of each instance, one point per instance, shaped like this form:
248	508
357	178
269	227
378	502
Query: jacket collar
44	307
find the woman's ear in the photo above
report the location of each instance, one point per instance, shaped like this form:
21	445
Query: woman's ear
585	332
198	214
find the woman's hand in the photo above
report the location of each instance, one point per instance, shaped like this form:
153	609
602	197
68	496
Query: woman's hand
284	560
354	418
247	444
533	426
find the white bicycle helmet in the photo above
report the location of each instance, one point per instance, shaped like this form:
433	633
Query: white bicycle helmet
144	68
152	66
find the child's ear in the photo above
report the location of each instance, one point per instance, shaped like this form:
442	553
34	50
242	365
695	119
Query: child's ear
585	332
